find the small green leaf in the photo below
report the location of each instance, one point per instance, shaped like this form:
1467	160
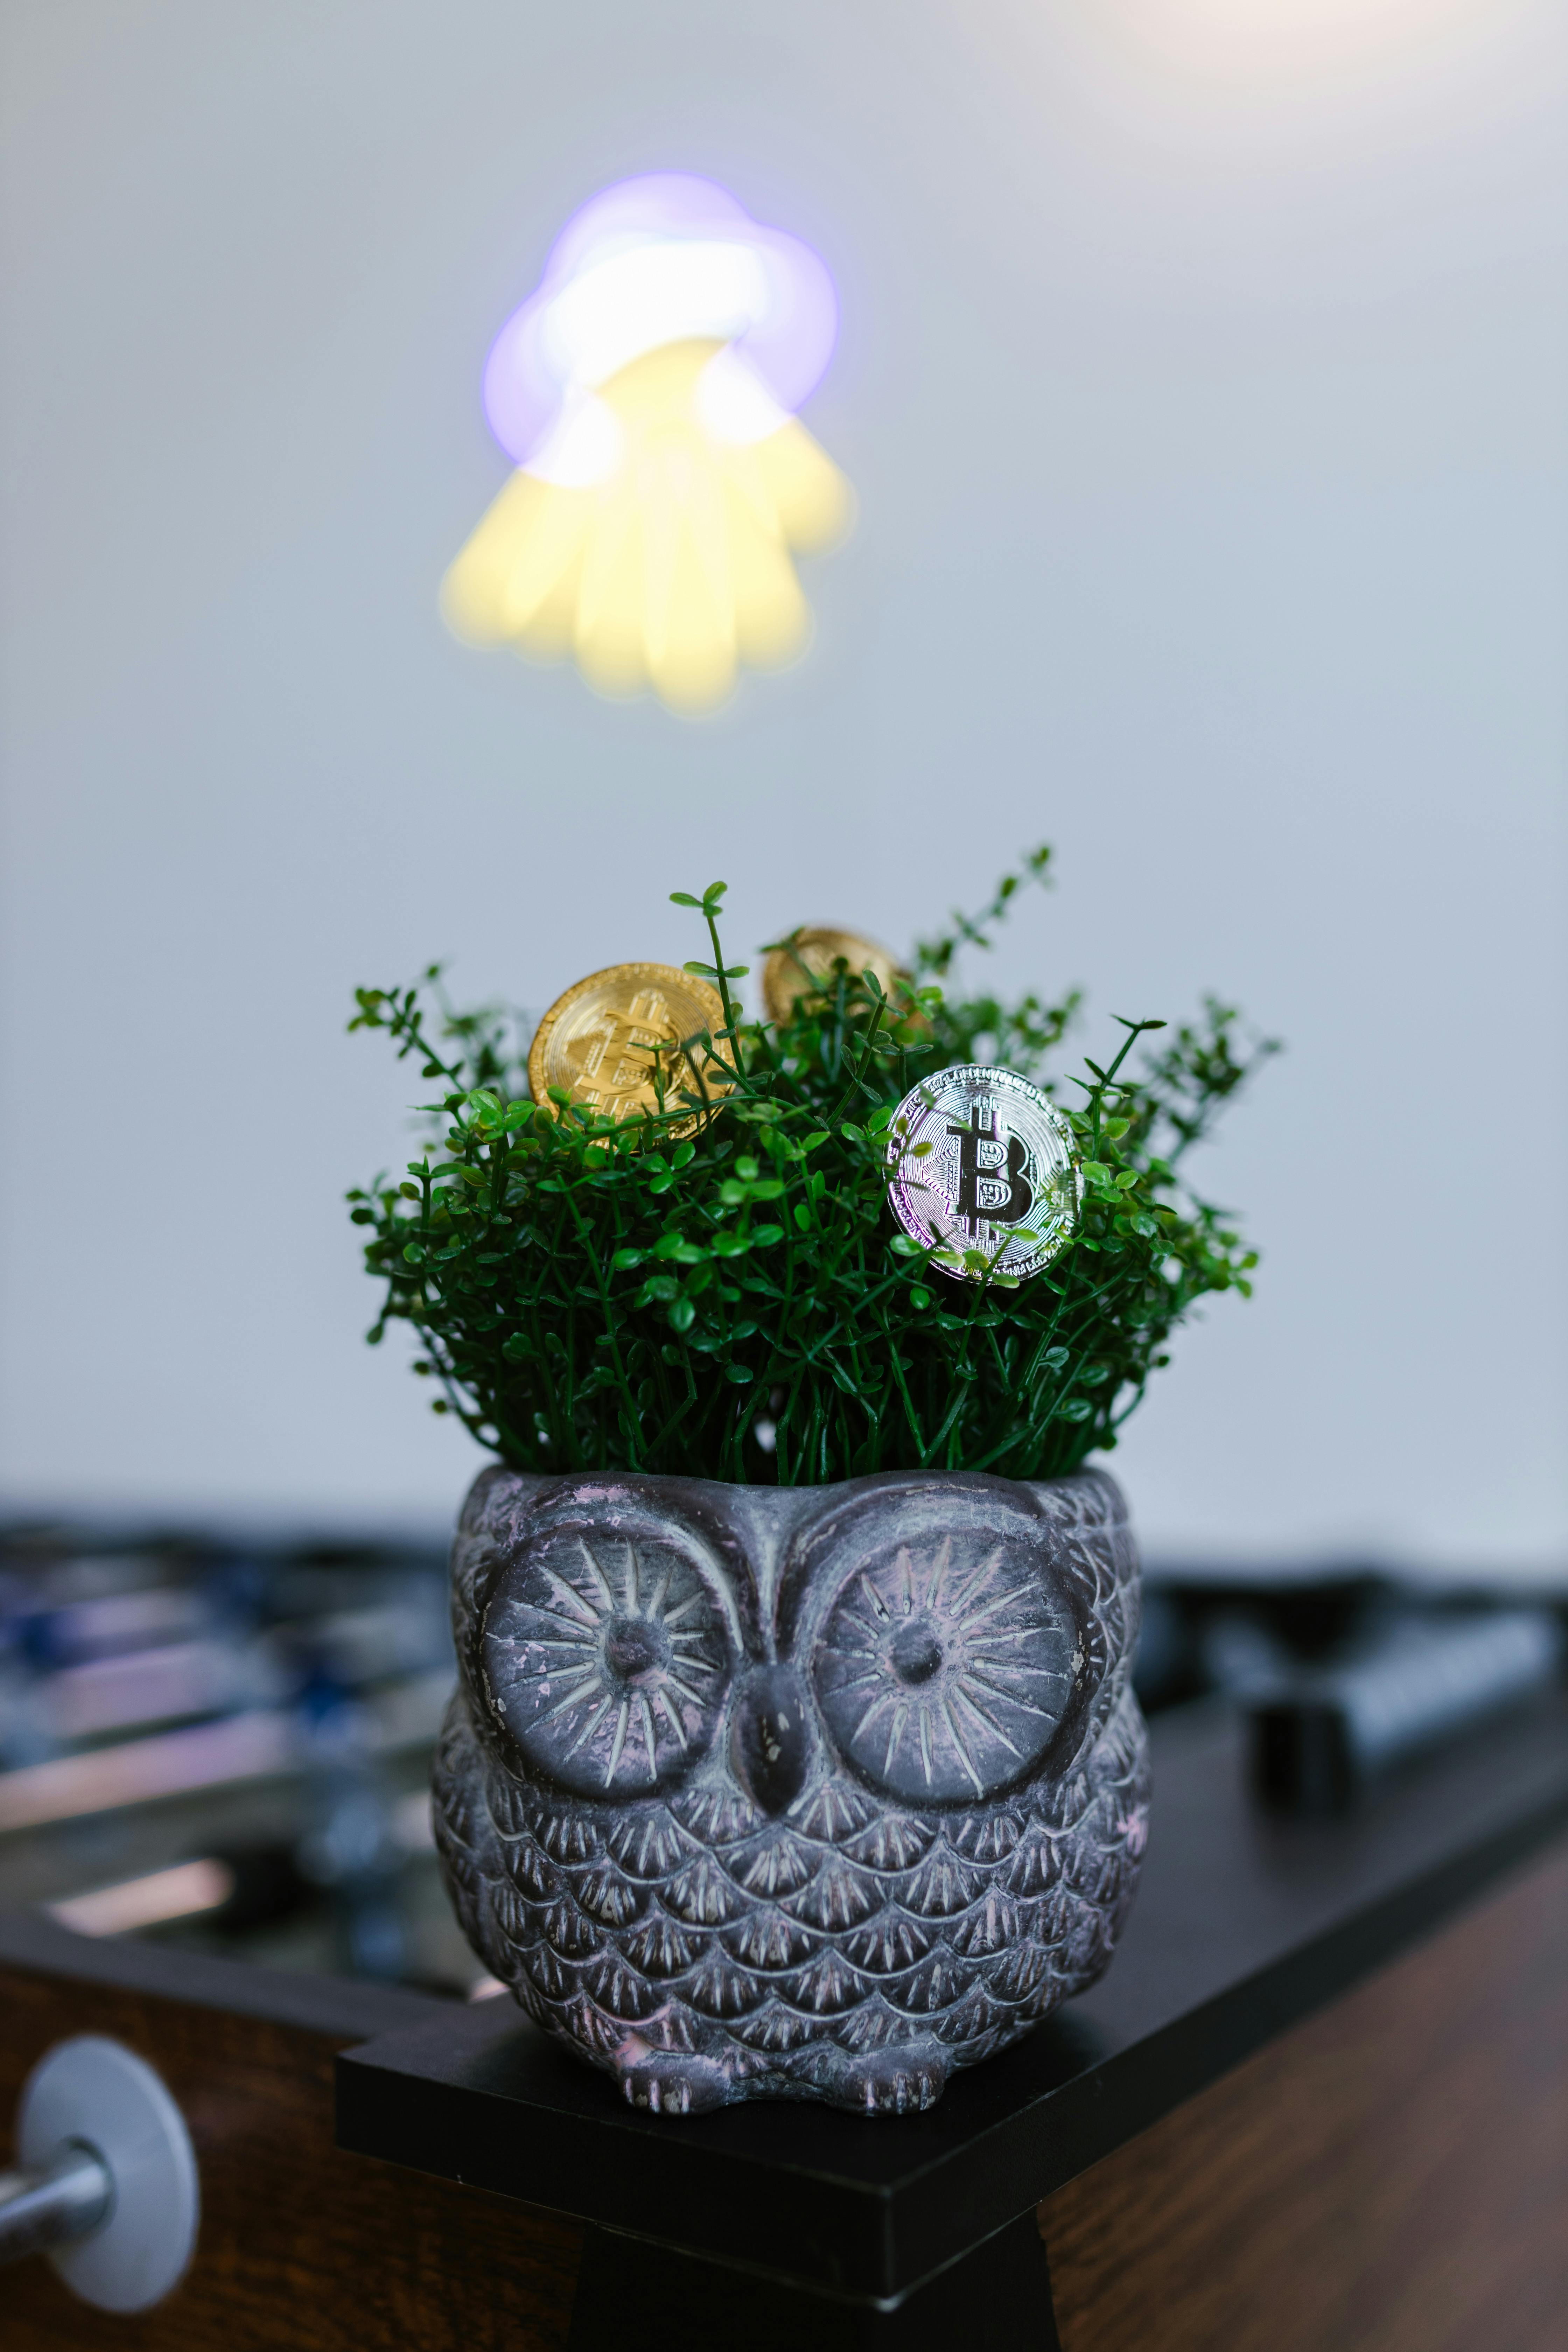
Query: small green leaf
739	1373
682	1315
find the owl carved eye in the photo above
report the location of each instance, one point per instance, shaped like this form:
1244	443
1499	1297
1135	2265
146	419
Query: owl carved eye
943	1670
605	1656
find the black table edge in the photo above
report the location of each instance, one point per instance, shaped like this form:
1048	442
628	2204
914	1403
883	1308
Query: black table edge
345	2008
904	2234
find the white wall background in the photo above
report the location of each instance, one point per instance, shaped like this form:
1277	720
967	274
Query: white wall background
1203	378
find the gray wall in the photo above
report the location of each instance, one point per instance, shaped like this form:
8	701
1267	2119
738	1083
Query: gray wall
1202	380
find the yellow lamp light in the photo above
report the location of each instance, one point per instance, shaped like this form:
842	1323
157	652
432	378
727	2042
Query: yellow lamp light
665	487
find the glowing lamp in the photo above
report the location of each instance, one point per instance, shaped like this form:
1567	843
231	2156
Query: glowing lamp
663	487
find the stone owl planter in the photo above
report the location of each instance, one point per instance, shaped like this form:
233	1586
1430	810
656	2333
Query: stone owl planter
801	1792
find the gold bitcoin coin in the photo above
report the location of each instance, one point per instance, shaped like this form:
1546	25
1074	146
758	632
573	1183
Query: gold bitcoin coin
601	1042
807	958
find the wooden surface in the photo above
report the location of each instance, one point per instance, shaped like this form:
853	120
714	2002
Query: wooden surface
301	2246
1389	2177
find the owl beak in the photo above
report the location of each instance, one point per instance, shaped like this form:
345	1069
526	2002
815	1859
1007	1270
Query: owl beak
768	1744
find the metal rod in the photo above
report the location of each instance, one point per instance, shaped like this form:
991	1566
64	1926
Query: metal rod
50	2204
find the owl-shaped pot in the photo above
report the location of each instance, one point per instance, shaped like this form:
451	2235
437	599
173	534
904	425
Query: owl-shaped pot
803	1792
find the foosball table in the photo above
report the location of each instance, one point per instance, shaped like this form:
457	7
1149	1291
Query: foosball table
1319	2099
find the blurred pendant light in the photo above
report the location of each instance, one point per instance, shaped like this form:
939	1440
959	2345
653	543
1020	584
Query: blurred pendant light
664	485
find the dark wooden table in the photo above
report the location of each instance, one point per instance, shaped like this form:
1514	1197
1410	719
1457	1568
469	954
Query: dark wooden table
1321	2100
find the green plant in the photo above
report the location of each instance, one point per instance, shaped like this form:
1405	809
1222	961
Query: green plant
736	1301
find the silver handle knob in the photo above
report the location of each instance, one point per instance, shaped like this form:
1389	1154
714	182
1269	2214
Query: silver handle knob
47	2205
106	2181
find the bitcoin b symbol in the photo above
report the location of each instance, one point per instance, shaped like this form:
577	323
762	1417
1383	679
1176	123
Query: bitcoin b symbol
993	1189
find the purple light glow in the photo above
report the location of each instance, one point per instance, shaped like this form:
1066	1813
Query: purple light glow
651	261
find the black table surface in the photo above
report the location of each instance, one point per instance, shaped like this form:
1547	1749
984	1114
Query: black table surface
1242	1926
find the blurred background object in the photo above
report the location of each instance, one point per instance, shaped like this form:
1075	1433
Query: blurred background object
1346	1676
1203	377
257	1786
250	1773
646	391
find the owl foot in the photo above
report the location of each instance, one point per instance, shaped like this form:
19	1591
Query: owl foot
669	2081
893	2080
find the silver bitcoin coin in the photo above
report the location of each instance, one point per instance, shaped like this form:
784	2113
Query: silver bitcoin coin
984	1169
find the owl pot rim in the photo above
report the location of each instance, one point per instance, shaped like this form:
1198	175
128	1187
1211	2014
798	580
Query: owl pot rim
733	1520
